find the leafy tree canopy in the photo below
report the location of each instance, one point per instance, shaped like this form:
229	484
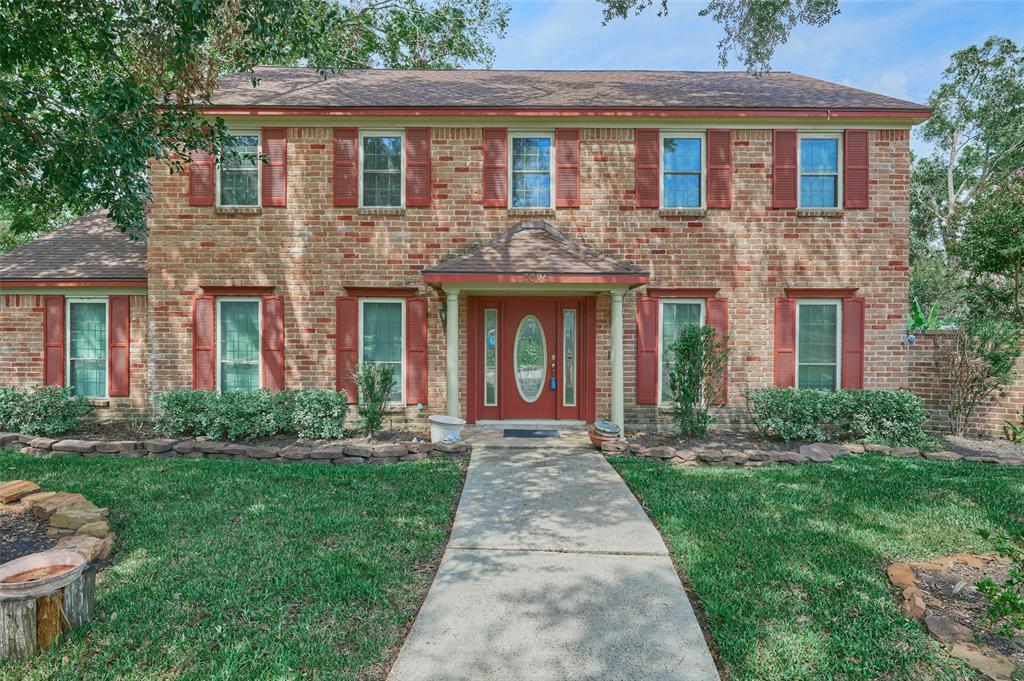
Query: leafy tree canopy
88	88
753	30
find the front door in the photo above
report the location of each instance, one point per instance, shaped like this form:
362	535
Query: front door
529	360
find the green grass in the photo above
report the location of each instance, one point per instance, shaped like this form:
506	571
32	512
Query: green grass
228	570
789	562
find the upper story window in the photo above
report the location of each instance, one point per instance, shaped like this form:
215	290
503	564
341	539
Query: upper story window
238	347
819	164
87	346
682	170
676	315
382	167
382	338
817	344
530	171
238	176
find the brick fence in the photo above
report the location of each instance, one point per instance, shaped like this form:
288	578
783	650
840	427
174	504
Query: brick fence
926	379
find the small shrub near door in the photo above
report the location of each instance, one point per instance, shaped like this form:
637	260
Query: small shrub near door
49	410
888	417
696	378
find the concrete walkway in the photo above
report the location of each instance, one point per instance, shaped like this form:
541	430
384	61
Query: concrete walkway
553	572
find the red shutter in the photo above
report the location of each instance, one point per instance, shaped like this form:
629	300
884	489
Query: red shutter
119	345
417	167
855	171
272	343
200	179
853	343
718	319
275	170
784	169
647	350
204	343
416	351
719	168
346	340
495	167
647	162
53	340
785	342
346	167
567	168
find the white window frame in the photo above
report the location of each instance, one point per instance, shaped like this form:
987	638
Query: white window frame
661	345
683	134
838	304
68	302
259	333
259	172
552	167
404	359
838	136
363	134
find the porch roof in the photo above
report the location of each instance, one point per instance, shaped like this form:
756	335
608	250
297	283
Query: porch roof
534	252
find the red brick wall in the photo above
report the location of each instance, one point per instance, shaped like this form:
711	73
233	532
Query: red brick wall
310	251
926	379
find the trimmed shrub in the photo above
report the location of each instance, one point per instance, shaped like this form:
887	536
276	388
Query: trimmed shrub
49	410
184	412
888	417
319	414
243	416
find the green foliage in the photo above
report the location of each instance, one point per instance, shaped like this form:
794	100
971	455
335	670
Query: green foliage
1014	432
90	96
1005	601
753	30
886	417
375	383
319	414
695	380
184	412
919	321
49	410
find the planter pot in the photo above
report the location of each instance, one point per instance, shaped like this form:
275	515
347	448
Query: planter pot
598	439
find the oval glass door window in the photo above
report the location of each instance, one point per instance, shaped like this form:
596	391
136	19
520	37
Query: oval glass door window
529	353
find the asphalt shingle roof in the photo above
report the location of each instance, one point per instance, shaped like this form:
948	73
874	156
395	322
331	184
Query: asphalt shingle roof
306	88
90	247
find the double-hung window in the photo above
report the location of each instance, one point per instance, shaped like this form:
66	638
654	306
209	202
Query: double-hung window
675	316
819	162
530	170
238	344
382	163
682	170
382	338
238	173
818	336
87	346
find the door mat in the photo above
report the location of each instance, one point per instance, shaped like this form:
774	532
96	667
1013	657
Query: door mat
511	432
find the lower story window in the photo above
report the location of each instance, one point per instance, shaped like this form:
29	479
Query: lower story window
87	347
817	344
238	344
676	315
382	338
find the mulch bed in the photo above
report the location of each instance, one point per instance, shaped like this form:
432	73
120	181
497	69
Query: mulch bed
22	534
975	447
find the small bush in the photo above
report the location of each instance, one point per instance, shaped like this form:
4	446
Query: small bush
243	416
184	412
375	383
696	378
49	410
1005	600
319	414
886	417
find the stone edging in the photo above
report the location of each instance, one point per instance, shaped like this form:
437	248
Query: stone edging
76	523
341	452
819	452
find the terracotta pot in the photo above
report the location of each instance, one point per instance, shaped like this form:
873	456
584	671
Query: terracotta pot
599	439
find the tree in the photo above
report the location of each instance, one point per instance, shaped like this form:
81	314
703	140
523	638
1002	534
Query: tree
753	30
91	90
977	129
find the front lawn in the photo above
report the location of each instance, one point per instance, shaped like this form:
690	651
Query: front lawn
789	562
231	570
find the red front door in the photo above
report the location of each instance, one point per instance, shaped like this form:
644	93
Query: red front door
529	358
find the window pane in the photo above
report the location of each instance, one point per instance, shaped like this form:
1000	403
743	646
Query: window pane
239	377
531	190
239	345
681	154
239	187
241	151
531	153
89	377
674	318
382	153
382	339
490	357
819	156
817	377
87	349
569	357
682	191
818	191
382	189
816	346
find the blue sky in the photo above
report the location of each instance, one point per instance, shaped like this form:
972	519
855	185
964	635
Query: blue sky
887	46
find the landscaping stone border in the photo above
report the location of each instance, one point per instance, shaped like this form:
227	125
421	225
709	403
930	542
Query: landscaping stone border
818	452
340	452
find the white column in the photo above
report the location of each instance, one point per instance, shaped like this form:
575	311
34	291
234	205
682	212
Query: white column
618	401
452	342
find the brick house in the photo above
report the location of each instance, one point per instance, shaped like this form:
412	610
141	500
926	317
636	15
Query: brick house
516	245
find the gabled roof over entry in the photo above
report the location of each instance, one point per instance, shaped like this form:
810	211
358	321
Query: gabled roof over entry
534	251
